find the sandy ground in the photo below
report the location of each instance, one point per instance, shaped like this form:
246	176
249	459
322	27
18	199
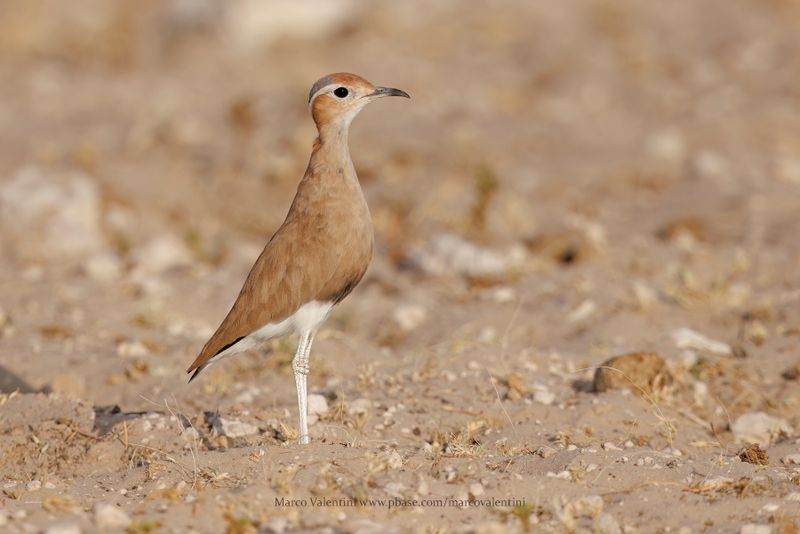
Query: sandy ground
571	182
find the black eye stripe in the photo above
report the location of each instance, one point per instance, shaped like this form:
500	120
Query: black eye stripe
341	92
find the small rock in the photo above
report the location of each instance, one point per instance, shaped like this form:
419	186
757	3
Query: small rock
233	428
606	524
132	349
588	506
394	460
410	316
248	395
641	372
686	338
755	529
317	404
791	459
108	516
278	525
253	24
584	310
646	296
668	145
359	407
103	266
161	254
753	454
793	496
62	210
504	294
446	254
488	334
190	434
69	385
476	489
62	528
685	232
760	428
544	397
395	489
34	485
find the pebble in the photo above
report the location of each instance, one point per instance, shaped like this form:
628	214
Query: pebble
448	253
476	489
544	397
584	310
233	428
608	446
646	297
317	407
394	460
686	338
34	485
791	459
504	295
132	349
588	506
63	211
408	317
278	525
668	145
161	254
252	25
63	528
359	407
108	516
753	528
793	496
606	524
103	266
760	428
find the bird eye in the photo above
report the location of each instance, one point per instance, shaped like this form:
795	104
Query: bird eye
341	92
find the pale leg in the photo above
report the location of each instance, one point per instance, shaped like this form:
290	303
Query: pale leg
301	367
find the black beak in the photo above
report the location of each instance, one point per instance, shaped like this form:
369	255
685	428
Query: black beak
387	91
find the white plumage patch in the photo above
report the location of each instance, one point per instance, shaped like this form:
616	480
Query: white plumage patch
308	318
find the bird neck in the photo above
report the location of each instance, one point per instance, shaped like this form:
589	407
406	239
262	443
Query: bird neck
331	147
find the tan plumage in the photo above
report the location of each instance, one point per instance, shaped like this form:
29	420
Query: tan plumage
319	253
322	249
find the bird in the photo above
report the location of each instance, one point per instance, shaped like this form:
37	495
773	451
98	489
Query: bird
320	252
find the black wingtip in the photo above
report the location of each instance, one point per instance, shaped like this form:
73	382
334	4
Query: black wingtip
196	372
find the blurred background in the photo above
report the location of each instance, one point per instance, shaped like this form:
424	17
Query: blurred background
570	181
152	147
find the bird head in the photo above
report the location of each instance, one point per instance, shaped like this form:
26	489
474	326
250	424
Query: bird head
337	98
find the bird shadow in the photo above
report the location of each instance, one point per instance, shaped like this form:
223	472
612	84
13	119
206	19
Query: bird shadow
11	382
583	386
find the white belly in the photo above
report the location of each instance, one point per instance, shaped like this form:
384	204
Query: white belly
307	318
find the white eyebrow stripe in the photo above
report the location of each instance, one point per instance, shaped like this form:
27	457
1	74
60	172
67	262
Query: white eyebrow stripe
320	91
